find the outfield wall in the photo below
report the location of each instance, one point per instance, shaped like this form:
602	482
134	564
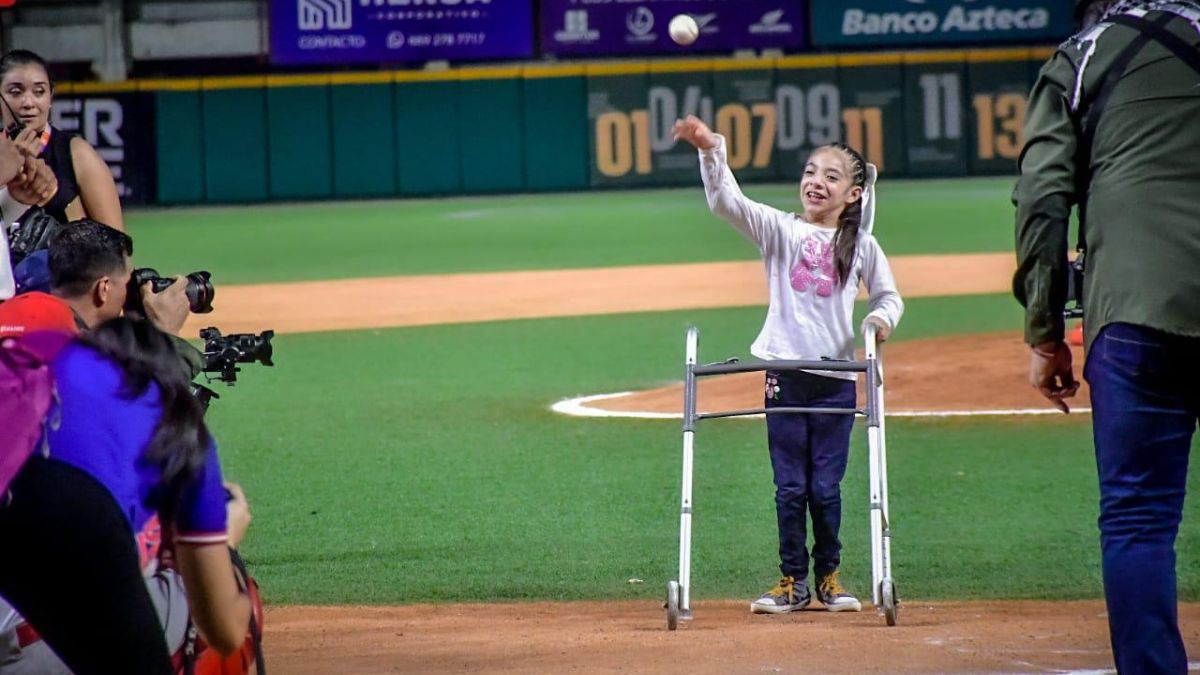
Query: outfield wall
560	127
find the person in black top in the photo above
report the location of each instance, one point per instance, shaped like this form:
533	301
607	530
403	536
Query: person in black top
86	188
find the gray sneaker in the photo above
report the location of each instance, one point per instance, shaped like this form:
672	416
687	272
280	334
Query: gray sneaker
788	595
836	598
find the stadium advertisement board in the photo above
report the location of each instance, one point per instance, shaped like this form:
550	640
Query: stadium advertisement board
390	31
913	115
855	23
120	126
616	27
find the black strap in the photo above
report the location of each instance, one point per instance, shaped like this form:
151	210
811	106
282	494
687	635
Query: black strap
1095	109
255	631
189	643
1186	53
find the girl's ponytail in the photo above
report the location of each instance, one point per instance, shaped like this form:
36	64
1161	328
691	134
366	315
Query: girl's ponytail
845	241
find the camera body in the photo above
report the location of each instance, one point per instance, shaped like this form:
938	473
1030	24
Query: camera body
200	290
222	353
1074	307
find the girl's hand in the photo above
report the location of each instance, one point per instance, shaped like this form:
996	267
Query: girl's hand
694	131
882	330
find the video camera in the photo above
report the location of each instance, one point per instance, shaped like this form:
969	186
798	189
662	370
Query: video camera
222	353
200	290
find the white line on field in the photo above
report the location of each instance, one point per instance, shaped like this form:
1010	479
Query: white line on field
578	407
1193	667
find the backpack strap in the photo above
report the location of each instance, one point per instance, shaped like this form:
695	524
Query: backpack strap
255	630
1092	110
1155	29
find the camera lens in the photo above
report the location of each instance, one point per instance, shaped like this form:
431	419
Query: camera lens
200	292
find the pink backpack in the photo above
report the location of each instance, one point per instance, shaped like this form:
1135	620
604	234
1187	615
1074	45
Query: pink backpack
26	395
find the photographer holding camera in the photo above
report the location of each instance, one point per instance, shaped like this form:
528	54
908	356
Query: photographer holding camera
93	283
1111	127
90	269
126	464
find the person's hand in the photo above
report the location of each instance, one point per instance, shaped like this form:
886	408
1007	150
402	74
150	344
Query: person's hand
11	161
1051	374
29	142
36	183
168	309
694	131
882	329
237	514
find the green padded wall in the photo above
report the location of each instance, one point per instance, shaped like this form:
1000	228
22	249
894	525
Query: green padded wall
491	135
298	142
235	144
364	126
427	137
179	136
556	133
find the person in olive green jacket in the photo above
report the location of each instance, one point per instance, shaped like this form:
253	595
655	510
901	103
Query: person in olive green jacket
1113	127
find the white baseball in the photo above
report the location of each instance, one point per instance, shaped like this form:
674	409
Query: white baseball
683	29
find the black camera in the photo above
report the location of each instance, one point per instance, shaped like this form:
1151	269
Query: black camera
1074	308
199	290
222	353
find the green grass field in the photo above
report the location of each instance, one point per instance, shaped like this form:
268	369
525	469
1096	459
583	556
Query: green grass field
424	464
483	234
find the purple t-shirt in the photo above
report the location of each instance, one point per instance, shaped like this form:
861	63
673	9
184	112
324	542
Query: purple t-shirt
105	434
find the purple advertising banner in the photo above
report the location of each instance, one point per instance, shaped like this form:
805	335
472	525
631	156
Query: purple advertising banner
613	27
364	31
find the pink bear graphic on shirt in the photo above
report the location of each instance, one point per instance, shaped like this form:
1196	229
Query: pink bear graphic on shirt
815	267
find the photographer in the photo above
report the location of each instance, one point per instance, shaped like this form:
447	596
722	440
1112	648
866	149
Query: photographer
129	446
86	188
90	267
1111	128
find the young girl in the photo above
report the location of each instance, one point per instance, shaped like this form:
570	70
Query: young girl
814	263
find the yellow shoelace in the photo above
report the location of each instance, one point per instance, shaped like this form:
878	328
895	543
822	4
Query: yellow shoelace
786	586
832	586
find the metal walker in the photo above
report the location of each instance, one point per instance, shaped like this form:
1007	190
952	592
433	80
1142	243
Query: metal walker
883	588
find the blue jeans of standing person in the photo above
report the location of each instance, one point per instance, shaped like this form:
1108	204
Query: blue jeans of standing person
809	454
1145	406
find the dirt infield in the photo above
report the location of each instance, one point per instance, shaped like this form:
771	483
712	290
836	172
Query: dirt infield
724	639
464	298
962	373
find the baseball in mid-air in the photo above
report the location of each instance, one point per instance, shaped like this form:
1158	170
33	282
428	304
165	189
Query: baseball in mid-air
683	30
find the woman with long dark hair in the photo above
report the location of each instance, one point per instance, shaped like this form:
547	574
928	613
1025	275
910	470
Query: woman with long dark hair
125	451
86	188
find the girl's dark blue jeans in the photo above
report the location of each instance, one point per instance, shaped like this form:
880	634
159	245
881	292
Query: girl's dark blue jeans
1145	404
809	454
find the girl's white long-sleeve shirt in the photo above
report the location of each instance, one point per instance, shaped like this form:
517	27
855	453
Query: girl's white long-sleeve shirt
810	315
